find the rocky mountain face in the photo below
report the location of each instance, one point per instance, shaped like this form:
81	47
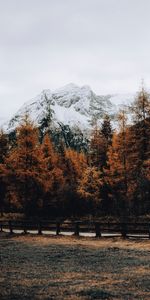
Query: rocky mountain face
73	111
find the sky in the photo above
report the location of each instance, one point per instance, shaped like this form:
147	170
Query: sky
46	44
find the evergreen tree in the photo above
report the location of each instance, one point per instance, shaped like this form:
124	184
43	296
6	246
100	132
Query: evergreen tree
140	110
140	150
100	141
106	129
45	123
98	146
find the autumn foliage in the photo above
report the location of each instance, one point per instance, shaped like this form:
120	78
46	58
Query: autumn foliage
112	178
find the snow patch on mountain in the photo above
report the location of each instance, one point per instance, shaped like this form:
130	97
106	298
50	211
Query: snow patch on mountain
71	105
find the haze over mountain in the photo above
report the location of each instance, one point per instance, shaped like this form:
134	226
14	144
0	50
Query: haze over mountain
70	105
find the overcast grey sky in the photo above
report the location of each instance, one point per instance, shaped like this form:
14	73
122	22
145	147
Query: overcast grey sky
50	43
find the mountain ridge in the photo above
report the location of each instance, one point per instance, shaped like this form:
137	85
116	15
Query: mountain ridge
70	105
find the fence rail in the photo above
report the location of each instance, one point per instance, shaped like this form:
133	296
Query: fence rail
77	228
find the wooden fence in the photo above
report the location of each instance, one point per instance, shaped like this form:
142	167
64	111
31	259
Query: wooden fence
77	228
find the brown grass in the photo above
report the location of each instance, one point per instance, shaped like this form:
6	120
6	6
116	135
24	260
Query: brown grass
34	267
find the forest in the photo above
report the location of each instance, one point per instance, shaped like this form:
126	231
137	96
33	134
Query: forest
39	177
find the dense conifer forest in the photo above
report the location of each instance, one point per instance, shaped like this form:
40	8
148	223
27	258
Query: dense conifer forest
110	177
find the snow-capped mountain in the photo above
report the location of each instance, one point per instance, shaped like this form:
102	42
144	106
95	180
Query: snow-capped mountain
71	105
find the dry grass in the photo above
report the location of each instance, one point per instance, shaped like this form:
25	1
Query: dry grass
34	267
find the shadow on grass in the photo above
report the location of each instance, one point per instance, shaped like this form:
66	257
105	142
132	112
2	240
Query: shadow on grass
53	271
95	293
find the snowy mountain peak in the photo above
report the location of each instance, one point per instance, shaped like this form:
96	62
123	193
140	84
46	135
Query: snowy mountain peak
70	86
71	105
71	94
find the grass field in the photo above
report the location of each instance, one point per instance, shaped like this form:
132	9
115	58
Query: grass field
34	267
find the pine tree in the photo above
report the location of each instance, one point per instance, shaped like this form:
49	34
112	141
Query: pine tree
140	110
106	129
98	148
100	141
45	123
140	149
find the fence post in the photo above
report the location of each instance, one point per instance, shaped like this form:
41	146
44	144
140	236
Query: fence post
10	227
124	230
57	228
40	228
77	229
25	229
149	231
97	230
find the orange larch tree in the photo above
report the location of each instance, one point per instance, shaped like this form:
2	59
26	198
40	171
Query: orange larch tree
25	172
89	190
117	167
4	149
53	201
75	164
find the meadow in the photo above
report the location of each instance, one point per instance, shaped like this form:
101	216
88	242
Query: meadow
59	267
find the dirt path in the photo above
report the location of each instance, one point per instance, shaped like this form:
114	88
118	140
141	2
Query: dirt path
59	268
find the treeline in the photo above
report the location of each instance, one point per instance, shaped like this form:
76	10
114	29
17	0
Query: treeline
112	178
